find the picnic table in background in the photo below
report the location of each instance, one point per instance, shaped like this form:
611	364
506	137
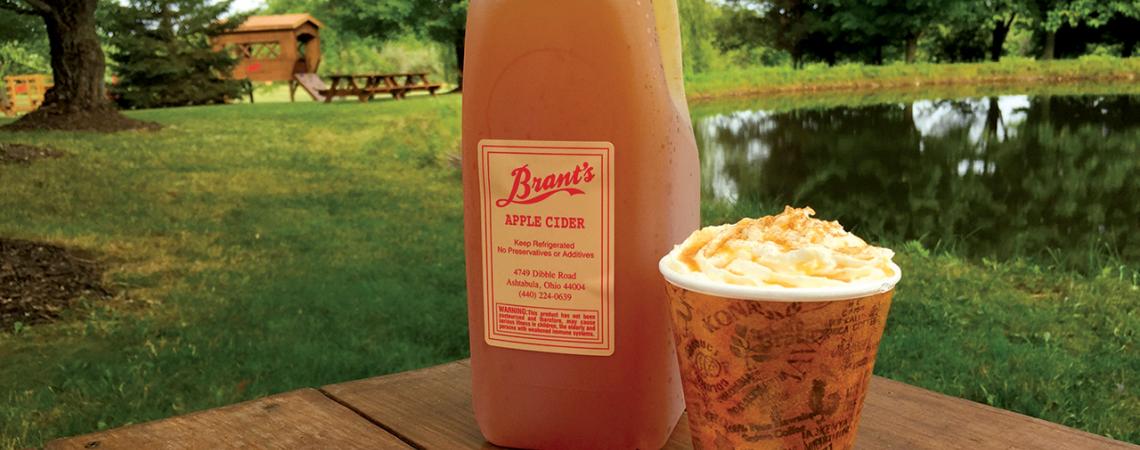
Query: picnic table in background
431	408
365	86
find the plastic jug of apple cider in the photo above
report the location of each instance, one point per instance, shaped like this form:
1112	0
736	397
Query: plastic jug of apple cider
579	171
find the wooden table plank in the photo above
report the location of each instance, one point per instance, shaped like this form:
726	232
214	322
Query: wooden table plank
431	408
900	416
299	419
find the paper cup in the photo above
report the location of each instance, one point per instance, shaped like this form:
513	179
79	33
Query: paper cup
775	368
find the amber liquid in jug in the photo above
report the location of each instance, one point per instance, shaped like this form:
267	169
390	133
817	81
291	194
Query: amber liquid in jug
579	171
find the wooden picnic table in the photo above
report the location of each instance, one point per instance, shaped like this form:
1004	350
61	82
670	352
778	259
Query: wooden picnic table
431	408
366	85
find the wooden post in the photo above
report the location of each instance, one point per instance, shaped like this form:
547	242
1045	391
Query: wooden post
249	85
5	106
332	89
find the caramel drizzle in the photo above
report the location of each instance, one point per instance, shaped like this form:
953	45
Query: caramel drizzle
737	231
797	228
688	254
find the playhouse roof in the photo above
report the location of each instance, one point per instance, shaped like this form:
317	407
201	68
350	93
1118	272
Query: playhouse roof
277	22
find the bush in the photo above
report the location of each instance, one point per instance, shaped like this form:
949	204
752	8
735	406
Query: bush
351	54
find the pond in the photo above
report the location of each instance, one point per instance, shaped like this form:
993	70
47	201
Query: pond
1053	176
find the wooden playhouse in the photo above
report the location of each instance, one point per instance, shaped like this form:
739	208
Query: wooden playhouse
274	48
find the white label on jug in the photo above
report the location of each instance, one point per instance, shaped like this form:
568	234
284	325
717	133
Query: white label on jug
546	217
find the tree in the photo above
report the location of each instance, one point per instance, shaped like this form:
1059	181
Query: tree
381	19
1119	18
698	19
912	18
826	29
1051	15
78	100
1124	30
957	40
23	45
1002	25
163	56
1002	14
740	28
993	18
445	21
877	23
798	27
1047	21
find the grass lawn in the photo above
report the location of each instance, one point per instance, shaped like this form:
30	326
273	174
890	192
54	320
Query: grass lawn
260	248
788	100
847	77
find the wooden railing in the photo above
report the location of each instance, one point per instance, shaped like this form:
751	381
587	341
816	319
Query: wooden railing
23	93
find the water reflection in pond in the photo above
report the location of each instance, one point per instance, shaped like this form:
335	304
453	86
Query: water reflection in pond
1008	175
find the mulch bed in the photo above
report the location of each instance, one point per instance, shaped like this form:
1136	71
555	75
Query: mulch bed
39	281
105	120
25	154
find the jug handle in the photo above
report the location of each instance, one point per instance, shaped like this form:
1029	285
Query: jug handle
669	43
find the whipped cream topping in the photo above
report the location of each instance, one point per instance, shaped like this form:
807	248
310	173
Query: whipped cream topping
791	250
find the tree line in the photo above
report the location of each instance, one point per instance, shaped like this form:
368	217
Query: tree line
875	31
161	43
